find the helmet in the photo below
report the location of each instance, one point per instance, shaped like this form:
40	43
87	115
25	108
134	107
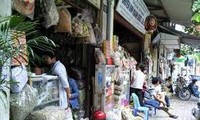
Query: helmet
99	115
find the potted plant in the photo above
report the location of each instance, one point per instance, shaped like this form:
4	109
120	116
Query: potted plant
8	51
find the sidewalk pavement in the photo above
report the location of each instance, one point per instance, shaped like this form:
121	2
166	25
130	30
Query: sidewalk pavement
178	107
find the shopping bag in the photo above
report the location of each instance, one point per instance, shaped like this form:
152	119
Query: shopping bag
19	75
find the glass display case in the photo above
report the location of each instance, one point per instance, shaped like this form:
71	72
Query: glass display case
47	87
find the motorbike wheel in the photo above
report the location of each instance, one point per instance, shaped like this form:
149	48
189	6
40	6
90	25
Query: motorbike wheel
184	94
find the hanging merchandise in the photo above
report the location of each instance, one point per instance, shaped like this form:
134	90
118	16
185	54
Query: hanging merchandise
25	7
23	103
50	13
91	38
99	56
78	28
98	34
151	23
86	16
64	24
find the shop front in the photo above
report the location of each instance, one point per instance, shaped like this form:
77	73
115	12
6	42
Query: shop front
75	36
112	79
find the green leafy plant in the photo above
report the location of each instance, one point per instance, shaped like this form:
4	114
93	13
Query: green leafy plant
9	49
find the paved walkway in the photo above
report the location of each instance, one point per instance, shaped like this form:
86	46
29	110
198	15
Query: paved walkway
178	107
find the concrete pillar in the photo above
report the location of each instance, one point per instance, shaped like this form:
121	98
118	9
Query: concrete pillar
110	21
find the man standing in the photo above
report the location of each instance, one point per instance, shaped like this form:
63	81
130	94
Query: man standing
137	83
58	69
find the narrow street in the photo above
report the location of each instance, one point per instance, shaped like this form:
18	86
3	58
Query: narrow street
178	107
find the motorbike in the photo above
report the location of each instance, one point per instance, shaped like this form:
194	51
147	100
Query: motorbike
182	90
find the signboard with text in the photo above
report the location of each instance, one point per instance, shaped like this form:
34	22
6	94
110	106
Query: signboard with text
134	11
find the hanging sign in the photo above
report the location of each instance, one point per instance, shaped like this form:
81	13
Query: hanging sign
96	3
151	23
134	11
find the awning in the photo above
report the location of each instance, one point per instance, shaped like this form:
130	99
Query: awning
179	11
184	37
168	40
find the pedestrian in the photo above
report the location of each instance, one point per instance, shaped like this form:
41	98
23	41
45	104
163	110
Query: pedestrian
58	69
169	84
137	83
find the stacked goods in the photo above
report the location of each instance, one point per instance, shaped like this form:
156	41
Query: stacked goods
106	48
48	113
115	42
23	103
99	56
19	42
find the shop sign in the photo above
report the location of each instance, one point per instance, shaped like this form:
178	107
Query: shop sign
96	3
134	11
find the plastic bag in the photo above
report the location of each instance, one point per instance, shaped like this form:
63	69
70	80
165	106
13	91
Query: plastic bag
99	56
25	7
4	104
64	24
23	103
98	34
50	13
79	28
48	113
91	38
19	74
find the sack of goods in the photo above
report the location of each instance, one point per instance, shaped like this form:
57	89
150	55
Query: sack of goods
22	103
48	113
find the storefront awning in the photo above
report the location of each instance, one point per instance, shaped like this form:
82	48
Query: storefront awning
184	37
168	40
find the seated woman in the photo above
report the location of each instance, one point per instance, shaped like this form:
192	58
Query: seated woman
194	88
74	103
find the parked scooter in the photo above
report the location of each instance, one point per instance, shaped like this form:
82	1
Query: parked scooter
182	90
185	92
